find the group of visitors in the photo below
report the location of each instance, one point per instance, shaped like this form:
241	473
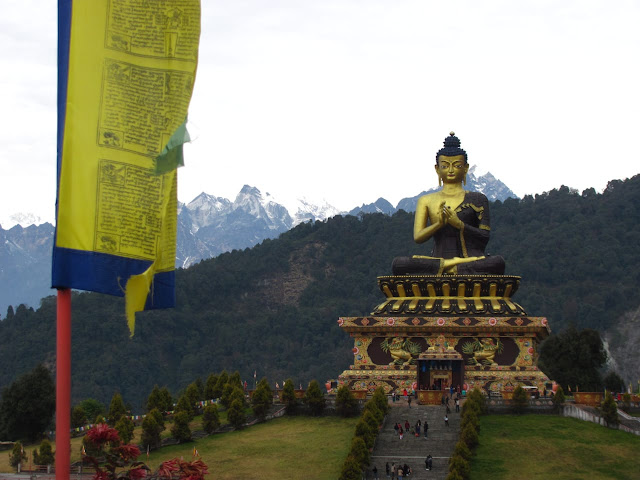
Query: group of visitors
398	471
406	394
414	430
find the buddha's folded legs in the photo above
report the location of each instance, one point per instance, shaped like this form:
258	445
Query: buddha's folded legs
417	264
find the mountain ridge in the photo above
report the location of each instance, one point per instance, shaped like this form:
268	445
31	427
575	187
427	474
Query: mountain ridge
274	308
210	225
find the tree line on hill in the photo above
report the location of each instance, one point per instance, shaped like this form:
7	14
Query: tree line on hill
274	308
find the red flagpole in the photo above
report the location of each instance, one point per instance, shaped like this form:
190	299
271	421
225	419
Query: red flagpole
63	384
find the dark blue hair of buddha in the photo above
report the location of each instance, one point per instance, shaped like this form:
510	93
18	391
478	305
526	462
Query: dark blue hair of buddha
451	148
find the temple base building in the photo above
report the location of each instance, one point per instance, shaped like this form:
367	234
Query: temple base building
439	331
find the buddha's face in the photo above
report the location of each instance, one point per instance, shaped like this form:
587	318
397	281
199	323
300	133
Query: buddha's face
451	169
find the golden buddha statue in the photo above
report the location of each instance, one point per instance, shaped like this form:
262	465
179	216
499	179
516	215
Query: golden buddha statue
458	221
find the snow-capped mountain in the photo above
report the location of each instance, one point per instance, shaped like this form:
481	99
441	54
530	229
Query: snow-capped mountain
307	211
209	225
20	218
486	183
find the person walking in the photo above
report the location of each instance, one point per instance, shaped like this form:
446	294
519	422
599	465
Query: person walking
457	405
394	471
446	420
426	429
375	473
387	470
418	428
400	472
428	463
409	401
400	432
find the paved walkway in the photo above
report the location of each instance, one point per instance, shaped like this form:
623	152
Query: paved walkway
414	450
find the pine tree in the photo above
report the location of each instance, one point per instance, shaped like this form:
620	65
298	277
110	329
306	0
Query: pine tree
289	397
210	387
17	455
45	455
125	428
184	405
314	398
609	410
346	403
151	431
236	415
180	430
210	419
116	409
520	399
262	399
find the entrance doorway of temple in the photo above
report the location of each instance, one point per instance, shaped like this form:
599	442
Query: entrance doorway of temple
439	371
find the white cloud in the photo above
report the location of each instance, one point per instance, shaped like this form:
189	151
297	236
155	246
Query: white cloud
350	100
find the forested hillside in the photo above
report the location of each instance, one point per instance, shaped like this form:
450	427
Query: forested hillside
273	308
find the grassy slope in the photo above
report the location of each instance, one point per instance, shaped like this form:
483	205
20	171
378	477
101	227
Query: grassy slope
537	446
317	446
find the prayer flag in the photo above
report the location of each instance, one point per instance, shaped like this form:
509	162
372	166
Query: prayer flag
126	71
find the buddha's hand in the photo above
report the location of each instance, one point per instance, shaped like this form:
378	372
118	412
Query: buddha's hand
442	219
451	218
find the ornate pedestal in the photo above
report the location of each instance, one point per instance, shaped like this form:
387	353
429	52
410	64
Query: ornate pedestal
434	332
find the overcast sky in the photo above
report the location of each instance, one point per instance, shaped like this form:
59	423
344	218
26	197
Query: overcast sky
349	100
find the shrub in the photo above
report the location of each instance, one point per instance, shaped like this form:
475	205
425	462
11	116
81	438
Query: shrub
45	456
236	415
626	402
223	379
470	418
314	398
360	451
180	430
238	394
351	469
558	399
364	431
184	405
520	399
262	399
151	431
469	435
463	450
471	406
116	409
454	475
372	407
210	387
346	403
125	427
289	397
210	419
610	410
371	420
380	398
17	455
225	398
458	464
477	396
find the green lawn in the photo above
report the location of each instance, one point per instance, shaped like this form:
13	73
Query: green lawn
550	447
272	450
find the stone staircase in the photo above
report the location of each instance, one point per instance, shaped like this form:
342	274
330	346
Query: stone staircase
414	450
